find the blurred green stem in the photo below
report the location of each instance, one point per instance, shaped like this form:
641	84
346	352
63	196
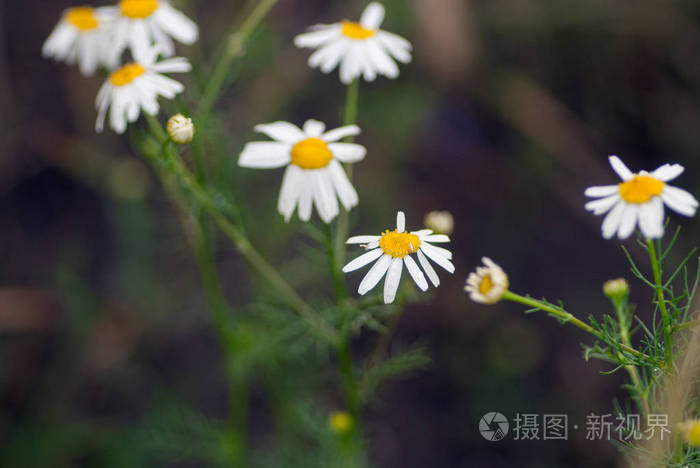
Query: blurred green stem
567	317
621	308
343	227
174	165
336	269
659	288
234	47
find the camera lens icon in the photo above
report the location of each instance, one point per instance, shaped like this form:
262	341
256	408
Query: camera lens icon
493	426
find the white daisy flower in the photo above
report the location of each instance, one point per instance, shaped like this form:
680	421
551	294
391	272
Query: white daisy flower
361	49
143	24
80	36
392	250
488	284
314	172
639	200
137	86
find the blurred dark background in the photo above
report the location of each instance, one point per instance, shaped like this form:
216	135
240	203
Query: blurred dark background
506	115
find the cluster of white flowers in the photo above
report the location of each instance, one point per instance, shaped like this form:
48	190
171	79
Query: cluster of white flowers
313	157
99	37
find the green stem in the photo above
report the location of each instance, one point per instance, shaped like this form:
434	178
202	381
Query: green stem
336	271
343	226
621	309
567	317
347	373
659	288
235	47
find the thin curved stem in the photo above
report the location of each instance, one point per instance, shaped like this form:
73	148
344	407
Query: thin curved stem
567	317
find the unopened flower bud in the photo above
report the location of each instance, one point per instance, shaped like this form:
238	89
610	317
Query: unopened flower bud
616	289
441	222
691	432
180	129
340	422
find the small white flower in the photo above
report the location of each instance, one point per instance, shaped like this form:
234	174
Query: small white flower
180	129
392	250
314	173
143	24
639	199
361	49
488	284
440	221
137	86
80	36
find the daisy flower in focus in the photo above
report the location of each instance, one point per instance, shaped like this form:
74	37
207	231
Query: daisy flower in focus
142	24
137	86
639	200
392	250
314	173
80	36
488	284
361	49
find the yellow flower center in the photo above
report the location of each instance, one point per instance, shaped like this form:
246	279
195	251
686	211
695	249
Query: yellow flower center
126	74
399	244
82	18
641	189
356	30
138	9
694	435
312	153
486	285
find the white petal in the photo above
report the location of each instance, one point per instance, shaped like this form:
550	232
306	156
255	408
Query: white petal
348	152
667	172
314	128
436	238
173	65
415	272
305	202
362	239
435	255
281	131
374	274
316	38
619	167
328	56
400	221
628	222
380	59
362	260
602	190
679	200
177	24
264	155
373	16
343	187
602	205
339	133
292	185
651	218
422	233
612	220
350	64
392	281
323	195
139	39
429	270
397	46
